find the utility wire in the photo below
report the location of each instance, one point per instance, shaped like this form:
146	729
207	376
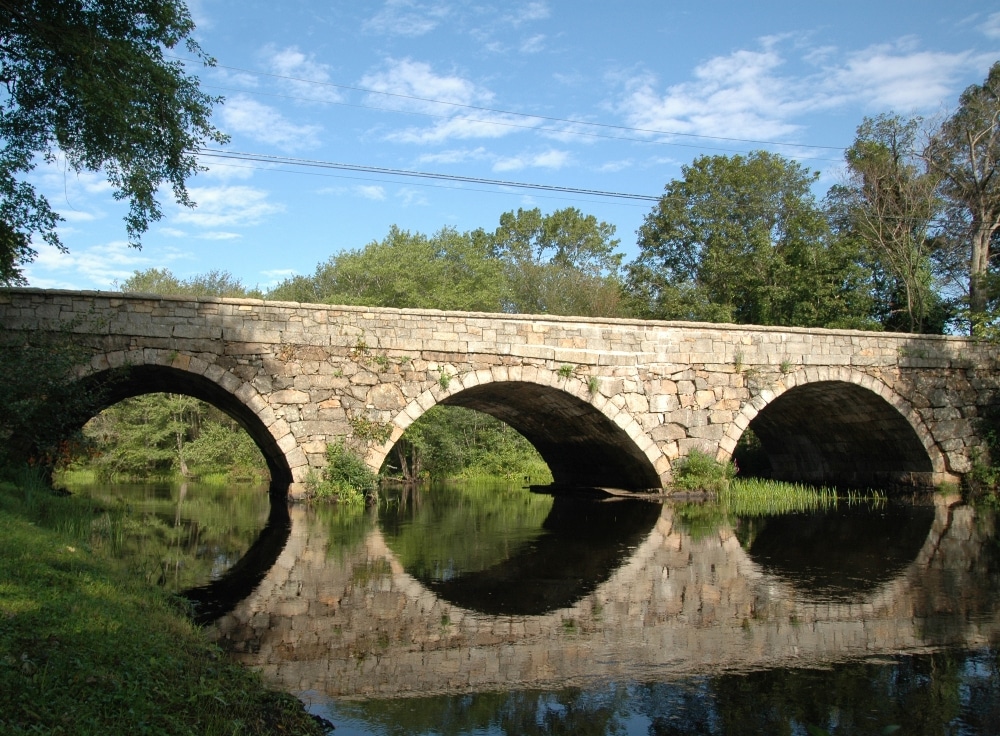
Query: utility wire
315	163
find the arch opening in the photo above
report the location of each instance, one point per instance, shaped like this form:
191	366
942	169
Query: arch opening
581	446
839	433
149	379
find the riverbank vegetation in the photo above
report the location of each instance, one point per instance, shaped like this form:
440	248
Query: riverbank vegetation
89	647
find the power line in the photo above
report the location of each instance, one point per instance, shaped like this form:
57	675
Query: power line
315	163
498	111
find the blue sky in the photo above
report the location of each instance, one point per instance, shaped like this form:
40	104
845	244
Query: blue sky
614	97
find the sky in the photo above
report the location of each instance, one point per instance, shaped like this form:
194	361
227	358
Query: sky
606	97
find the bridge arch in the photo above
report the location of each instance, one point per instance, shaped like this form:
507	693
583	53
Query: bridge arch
838	425
151	370
586	438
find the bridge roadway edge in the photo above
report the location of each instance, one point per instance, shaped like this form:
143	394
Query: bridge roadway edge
302	375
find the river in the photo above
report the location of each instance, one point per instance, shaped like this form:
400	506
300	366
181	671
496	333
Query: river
492	610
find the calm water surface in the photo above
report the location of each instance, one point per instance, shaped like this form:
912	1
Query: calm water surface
497	611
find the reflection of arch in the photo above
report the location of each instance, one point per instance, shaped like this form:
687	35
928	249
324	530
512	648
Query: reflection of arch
153	371
586	440
838	425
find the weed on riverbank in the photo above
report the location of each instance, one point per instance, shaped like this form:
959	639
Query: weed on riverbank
87	648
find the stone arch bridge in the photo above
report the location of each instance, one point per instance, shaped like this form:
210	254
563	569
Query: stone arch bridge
607	402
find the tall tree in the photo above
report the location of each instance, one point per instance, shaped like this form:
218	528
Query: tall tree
561	263
742	239
892	206
448	270
89	79
965	154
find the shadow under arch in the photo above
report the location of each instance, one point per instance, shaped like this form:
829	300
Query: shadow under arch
585	442
136	380
842	432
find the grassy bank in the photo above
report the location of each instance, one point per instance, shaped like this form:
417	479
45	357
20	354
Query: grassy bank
88	648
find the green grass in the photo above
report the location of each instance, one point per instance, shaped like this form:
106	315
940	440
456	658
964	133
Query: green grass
765	497
87	648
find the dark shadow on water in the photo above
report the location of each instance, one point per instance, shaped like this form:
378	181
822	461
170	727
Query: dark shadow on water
841	554
219	597
584	542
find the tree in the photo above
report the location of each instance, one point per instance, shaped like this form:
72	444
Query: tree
561	263
448	270
892	207
89	79
163	282
965	154
741	239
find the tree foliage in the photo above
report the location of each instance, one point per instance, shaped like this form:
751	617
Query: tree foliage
163	282
89	80
742	239
561	263
447	270
965	154
892	206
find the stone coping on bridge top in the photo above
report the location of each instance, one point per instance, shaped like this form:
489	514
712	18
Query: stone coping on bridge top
514	317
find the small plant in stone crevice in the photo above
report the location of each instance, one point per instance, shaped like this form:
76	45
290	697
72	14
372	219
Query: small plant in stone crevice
566	371
370	431
786	366
593	385
738	362
444	379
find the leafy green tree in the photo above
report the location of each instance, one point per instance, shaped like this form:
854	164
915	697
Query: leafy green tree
561	263
89	79
162	281
965	154
448	270
742	239
892	207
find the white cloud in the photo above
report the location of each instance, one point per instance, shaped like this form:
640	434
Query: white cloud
534	44
528	13
371	191
416	79
98	266
219	235
227	206
899	77
412	197
242	115
407	18
454	156
172	232
757	95
414	86
308	77
551	159
991	26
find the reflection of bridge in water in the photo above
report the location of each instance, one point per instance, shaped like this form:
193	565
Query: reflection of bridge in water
358	625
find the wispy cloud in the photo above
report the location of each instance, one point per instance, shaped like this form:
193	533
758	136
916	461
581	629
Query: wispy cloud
534	44
757	94
991	26
302	74
371	191
242	115
227	206
97	266
407	18
528	13
551	159
415	86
